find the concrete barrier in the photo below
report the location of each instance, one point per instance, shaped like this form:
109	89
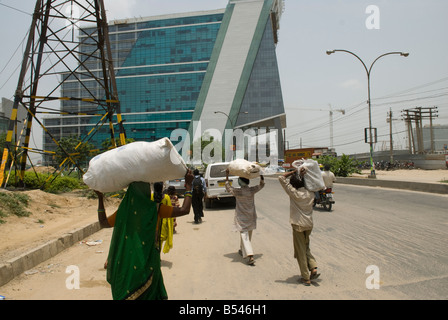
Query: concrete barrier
404	185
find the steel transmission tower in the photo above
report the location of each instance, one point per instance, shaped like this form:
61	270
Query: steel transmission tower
52	57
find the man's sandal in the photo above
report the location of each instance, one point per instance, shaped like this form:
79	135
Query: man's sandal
314	274
305	282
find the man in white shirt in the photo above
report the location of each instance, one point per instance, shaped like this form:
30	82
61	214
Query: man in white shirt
328	177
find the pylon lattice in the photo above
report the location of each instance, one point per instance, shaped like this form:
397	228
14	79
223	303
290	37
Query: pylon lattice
52	55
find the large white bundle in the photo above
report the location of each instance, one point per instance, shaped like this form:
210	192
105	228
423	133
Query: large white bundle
313	176
244	168
137	161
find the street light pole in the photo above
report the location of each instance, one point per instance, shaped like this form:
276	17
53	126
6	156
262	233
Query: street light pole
231	122
368	71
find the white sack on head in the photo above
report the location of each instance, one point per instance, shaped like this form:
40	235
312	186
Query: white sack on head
143	161
244	168
313	176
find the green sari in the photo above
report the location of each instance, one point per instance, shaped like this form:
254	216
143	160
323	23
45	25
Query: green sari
133	268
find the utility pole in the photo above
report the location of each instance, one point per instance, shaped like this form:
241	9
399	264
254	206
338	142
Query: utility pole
331	123
331	120
417	115
389	119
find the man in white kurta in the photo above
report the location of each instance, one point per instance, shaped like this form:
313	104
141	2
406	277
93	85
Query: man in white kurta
245	214
328	177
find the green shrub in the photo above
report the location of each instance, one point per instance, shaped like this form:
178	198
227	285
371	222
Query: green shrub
2	215
32	180
63	184
341	167
56	184
13	203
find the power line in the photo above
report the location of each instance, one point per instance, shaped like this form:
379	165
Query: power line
7	6
391	96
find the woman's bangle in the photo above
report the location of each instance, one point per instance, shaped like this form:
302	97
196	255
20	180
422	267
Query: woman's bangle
188	194
101	210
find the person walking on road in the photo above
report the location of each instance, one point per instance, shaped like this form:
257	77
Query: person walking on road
301	219
198	194
171	191
245	214
133	264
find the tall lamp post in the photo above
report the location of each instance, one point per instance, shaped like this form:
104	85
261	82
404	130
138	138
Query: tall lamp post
368	71
231	122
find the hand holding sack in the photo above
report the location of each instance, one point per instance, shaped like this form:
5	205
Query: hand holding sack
244	168
143	161
313	175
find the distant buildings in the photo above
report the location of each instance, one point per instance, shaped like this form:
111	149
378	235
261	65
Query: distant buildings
215	67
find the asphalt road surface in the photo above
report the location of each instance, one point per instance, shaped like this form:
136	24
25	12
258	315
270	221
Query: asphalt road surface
375	244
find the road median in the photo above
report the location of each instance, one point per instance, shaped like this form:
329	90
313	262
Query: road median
438	188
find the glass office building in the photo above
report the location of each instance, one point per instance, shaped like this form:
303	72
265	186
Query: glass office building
174	69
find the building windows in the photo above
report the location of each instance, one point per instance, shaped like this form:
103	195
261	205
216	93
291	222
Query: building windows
153	60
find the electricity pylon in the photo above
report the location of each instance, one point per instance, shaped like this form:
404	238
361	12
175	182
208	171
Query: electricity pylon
53	50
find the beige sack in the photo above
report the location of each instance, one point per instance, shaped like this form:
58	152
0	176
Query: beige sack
244	168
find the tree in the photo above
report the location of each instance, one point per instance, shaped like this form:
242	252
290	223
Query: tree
211	150
107	144
80	152
341	167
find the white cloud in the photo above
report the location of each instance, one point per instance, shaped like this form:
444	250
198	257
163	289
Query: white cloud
119	9
351	84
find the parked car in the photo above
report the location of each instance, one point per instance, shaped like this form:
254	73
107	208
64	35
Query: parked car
215	179
179	184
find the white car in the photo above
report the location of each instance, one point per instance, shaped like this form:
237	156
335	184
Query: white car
179	184
215	180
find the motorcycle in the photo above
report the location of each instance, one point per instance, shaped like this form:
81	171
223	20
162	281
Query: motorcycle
325	199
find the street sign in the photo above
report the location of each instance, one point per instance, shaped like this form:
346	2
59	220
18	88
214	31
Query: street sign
367	136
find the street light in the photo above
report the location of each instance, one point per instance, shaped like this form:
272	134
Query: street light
403	54
231	122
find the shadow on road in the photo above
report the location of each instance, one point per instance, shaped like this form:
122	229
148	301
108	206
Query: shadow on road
236	257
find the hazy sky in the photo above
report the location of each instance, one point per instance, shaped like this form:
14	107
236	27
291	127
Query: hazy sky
311	80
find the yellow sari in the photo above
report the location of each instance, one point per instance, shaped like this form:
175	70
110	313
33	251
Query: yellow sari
166	227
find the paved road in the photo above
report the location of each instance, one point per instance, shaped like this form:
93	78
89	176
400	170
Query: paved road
399	237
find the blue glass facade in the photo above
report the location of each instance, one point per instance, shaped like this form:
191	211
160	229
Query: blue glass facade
263	98
159	64
172	71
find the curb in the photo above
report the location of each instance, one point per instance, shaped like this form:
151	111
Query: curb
16	266
403	185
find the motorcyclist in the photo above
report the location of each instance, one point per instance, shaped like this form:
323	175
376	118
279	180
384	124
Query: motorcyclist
328	177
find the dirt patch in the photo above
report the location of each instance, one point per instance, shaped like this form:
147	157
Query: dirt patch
51	216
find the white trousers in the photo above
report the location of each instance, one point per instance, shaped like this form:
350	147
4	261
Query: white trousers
246	245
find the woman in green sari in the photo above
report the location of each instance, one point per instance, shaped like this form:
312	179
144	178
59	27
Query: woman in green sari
133	264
